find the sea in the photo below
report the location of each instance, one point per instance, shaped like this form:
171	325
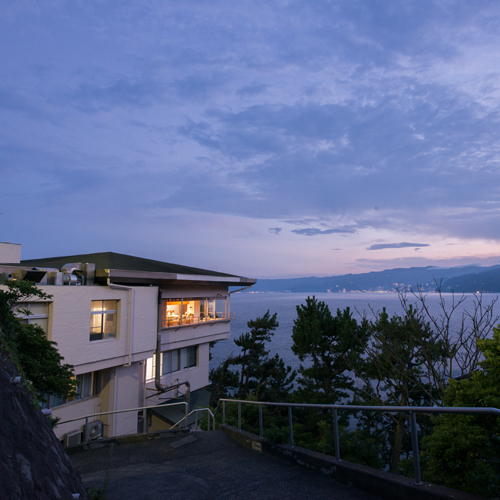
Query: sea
249	306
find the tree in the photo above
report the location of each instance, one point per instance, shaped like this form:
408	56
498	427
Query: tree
394	373
254	351
331	345
223	381
259	376
36	356
464	450
476	323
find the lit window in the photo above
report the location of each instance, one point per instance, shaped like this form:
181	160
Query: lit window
103	314
193	311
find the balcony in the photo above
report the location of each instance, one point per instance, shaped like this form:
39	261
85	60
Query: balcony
177	321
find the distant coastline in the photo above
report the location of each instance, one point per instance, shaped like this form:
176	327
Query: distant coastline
469	279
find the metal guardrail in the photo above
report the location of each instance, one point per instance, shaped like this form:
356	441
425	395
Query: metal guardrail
113	412
196	410
412	410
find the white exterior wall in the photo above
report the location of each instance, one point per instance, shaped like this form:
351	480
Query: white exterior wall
69	326
197	376
129	388
10	253
76	409
137	323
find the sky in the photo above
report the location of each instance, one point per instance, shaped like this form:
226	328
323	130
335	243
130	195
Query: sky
267	139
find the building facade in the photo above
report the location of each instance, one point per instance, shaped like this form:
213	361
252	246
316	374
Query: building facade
137	332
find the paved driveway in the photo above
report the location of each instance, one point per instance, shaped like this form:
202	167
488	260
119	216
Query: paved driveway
202	466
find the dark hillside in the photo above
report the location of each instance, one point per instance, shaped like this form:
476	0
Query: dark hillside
388	280
487	282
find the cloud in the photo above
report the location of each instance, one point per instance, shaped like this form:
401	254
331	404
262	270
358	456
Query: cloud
92	98
263	112
382	246
252	90
313	231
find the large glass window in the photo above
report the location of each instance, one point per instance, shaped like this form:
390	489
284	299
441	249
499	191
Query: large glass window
103	319
190	311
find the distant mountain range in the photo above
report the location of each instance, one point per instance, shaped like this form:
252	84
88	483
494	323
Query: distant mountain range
467	279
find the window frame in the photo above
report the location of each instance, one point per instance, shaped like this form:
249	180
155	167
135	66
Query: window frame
103	313
179	359
32	318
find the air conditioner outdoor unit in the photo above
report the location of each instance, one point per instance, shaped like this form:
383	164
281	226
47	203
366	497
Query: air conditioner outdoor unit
95	429
72	438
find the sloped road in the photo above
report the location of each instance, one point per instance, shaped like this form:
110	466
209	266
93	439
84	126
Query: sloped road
202	466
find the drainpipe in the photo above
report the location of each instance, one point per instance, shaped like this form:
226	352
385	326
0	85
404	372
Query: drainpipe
130	329
159	386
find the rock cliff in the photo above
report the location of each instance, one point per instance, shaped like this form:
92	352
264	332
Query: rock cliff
33	464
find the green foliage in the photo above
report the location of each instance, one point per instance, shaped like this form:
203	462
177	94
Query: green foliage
266	378
96	493
223	381
42	363
36	356
397	361
464	450
331	344
355	446
253	352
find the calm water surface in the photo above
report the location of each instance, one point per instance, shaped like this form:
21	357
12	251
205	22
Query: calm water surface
252	305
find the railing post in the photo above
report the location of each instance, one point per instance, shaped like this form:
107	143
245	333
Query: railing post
290	425
185	416
261	423
223	413
145	421
414	439
208	419
239	416
86	430
195	420
336	433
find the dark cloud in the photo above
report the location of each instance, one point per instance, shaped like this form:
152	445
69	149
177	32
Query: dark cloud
252	90
275	230
382	246
313	231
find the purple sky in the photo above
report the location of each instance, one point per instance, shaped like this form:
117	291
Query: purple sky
266	139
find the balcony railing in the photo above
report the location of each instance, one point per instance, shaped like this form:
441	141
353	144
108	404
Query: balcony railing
175	321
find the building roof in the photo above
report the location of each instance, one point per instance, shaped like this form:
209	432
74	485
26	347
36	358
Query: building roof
127	268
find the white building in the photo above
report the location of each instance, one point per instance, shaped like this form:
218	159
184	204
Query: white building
137	332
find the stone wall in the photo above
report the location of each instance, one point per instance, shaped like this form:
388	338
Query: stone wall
33	464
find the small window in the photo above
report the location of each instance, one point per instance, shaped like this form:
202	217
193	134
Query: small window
103	314
179	359
89	384
31	313
193	356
